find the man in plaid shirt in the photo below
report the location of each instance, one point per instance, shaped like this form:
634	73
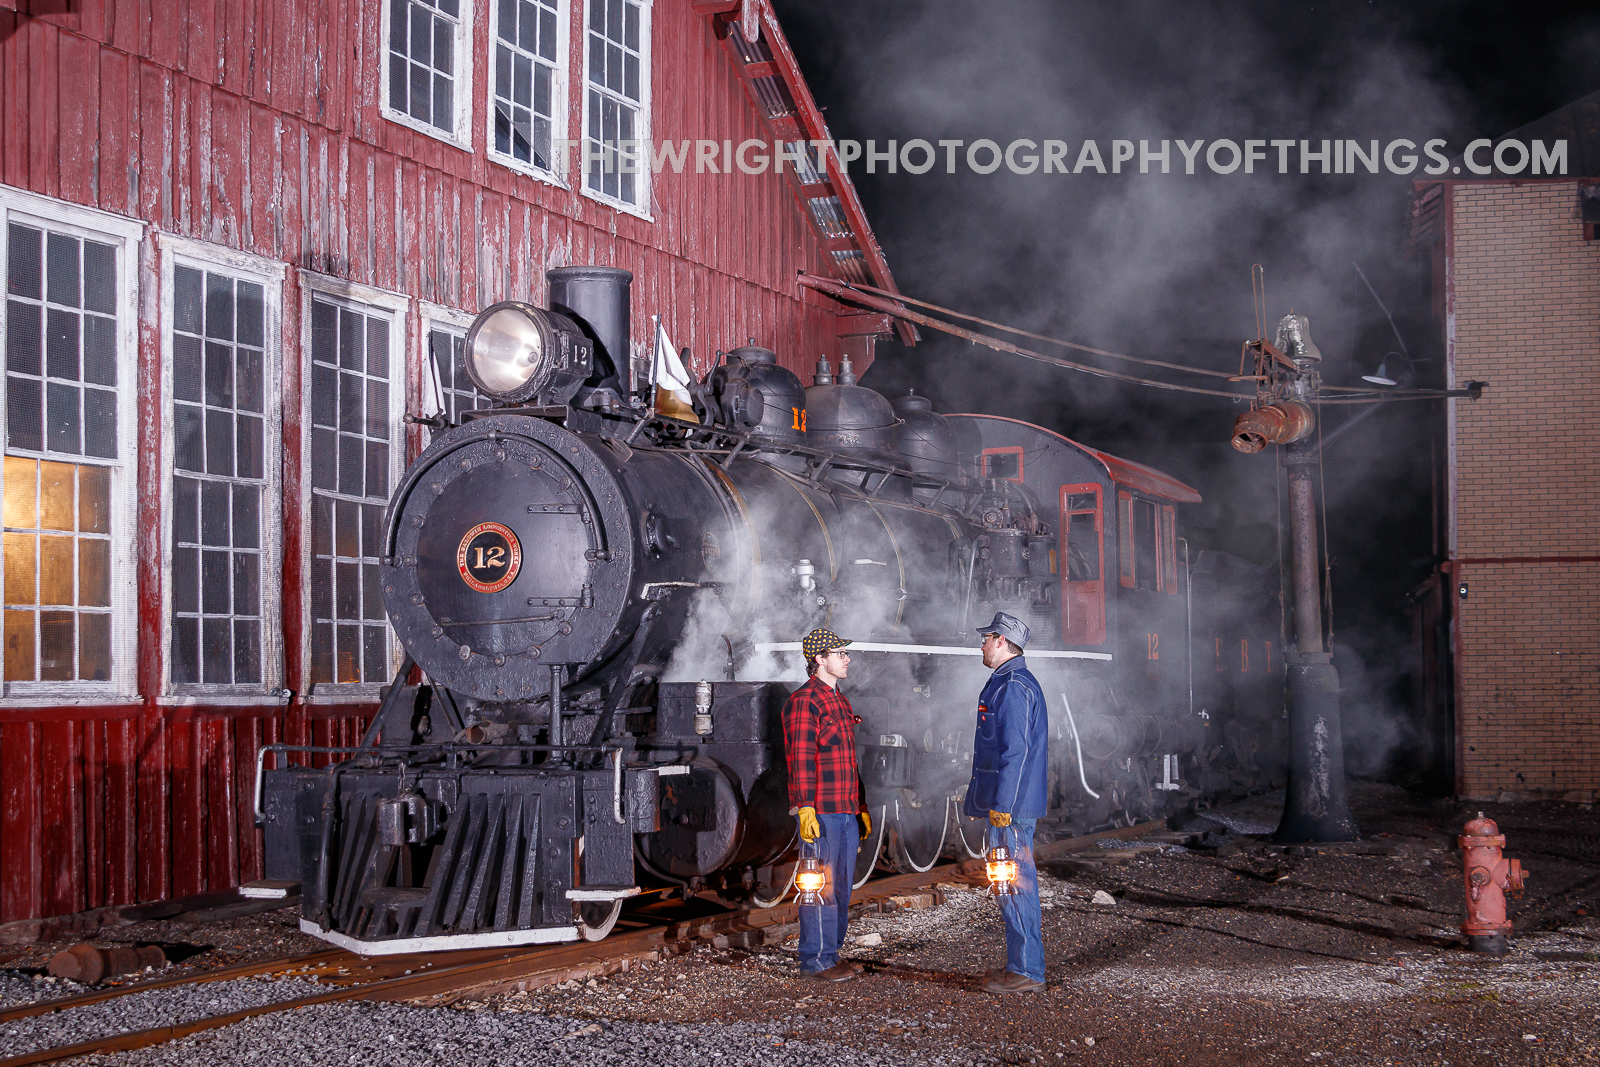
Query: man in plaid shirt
825	790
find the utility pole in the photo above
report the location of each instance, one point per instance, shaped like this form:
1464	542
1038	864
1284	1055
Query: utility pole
1316	807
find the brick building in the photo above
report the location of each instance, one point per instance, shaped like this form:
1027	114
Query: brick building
1510	627
242	241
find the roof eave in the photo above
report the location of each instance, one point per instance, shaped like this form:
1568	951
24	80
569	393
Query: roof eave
798	119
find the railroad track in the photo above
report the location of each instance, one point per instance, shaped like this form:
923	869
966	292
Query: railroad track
439	978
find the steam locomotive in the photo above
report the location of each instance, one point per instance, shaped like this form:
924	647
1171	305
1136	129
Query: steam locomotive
605	605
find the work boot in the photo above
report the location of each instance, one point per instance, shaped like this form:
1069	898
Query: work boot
1011	982
839	972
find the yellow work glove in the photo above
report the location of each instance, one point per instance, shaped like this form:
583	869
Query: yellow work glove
999	818
866	824
810	830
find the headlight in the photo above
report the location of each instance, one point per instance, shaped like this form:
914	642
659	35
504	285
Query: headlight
508	351
517	352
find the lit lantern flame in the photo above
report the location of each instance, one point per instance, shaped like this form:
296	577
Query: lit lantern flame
811	879
1002	871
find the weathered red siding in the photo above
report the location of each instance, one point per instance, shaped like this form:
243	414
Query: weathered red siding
255	125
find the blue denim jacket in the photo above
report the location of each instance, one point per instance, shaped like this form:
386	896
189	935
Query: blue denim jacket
1010	750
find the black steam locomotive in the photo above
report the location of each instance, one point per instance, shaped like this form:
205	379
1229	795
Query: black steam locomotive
605	606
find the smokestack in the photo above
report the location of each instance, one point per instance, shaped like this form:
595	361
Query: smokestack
598	299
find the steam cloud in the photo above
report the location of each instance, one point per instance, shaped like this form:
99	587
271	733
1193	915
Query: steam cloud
1159	265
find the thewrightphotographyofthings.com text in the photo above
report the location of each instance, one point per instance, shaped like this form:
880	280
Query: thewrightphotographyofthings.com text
1482	157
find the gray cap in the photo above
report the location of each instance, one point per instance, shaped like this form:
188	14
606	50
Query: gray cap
1010	627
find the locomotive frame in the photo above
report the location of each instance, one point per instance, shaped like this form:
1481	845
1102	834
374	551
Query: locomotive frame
605	709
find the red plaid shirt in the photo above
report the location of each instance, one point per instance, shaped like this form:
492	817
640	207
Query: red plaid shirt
820	737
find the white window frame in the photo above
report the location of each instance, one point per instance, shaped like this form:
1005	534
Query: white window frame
18	205
372	301
461	137
270	274
642	129
559	89
435	317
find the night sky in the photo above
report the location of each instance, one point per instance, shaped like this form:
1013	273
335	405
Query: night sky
1159	265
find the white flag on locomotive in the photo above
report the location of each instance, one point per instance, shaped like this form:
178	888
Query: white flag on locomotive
671	379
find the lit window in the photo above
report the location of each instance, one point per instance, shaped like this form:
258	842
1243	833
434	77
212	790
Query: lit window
58	571
355	446
617	99
428	67
529	97
67	511
222	490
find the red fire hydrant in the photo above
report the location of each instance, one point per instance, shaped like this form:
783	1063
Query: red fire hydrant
1489	876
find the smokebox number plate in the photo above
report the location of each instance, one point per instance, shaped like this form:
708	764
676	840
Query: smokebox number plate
489	557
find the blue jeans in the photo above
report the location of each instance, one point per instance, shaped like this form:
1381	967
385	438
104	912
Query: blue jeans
1024	927
822	926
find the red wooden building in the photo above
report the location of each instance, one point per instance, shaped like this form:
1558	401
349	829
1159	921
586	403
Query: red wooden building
242	240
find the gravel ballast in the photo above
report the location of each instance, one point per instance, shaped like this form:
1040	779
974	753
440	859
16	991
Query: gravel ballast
1239	954
143	1011
397	1035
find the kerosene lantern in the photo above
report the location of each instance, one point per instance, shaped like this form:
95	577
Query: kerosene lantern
811	882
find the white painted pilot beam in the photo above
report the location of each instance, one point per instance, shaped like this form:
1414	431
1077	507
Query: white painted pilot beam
488	939
934	650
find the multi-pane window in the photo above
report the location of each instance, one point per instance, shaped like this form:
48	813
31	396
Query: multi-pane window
617	83
447	352
527	64
353	444
61	347
219	478
61	446
425	79
58	571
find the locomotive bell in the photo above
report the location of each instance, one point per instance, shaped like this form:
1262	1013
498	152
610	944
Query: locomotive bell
516	352
1294	339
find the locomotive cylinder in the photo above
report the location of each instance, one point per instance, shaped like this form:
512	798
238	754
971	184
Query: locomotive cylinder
1488	876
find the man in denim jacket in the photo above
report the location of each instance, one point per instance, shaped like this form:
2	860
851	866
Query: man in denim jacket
1009	785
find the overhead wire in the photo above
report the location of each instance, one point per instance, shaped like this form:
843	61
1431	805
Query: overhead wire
891	303
851	292
1037	336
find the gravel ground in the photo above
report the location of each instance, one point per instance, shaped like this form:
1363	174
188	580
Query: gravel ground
20	988
400	1035
192	948
141	1011
1244	953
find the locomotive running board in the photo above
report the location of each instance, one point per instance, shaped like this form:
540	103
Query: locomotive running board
933	650
444	943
